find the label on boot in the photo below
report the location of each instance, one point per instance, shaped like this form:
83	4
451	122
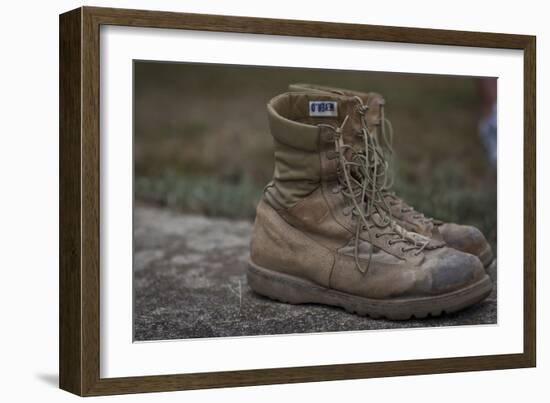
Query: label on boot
323	108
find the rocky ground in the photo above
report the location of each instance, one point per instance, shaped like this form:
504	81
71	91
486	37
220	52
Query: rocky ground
190	282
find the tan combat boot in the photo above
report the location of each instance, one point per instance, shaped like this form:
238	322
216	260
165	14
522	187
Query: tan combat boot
465	238
323	233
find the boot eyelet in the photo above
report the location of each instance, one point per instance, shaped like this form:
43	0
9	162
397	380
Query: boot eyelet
335	189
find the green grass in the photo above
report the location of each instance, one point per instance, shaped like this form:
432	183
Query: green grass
200	195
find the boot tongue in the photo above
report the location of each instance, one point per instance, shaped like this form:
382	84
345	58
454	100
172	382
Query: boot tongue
351	108
374	102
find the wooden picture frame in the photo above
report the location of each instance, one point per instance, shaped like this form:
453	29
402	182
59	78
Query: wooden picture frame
79	280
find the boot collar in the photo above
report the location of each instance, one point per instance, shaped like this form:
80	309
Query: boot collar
295	117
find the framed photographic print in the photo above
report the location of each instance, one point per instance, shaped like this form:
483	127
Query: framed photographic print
249	201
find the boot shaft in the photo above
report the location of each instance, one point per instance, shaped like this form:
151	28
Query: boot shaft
303	127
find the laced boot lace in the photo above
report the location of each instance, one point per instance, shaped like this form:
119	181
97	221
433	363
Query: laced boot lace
405	208
386	132
361	176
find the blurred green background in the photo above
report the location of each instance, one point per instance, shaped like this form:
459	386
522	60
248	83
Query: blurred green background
202	144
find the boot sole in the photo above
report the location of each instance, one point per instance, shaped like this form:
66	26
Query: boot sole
294	290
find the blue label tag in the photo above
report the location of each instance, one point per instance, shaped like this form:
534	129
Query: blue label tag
323	108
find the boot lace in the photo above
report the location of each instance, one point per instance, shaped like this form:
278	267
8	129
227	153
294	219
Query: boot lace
394	200
386	131
362	178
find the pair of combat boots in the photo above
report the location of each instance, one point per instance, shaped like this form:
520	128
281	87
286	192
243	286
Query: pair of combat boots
328	229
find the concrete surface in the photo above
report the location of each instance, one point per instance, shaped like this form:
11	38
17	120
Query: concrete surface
189	282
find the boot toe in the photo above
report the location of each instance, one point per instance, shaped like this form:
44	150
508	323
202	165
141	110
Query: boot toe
455	270
466	238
